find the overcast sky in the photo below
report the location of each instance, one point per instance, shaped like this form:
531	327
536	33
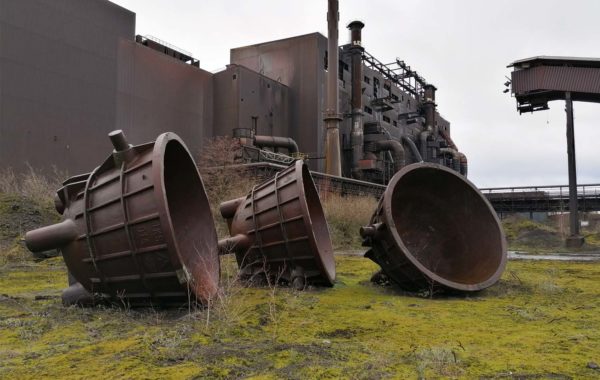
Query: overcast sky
461	46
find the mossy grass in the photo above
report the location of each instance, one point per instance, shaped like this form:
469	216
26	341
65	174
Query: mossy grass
540	321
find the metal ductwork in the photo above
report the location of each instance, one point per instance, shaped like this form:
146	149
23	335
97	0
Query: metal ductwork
433	229
276	142
413	148
279	231
332	114
357	138
423	137
138	229
456	157
396	150
464	165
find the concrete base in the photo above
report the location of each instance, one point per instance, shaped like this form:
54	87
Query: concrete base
575	241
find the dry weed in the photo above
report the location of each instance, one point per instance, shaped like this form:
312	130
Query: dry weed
345	215
32	184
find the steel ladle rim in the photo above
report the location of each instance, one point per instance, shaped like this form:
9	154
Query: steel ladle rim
324	250
389	220
166	221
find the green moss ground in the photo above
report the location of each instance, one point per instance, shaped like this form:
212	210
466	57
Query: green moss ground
540	321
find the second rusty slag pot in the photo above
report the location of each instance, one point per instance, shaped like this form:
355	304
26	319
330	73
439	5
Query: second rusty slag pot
279	229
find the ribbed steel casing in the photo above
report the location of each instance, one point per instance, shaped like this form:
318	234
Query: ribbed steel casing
285	223
145	229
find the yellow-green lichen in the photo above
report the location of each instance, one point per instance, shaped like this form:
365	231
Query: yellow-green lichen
540	320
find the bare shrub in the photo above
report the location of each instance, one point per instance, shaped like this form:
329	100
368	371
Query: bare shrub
345	215
222	182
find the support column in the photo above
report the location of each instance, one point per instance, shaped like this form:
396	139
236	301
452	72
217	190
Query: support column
575	240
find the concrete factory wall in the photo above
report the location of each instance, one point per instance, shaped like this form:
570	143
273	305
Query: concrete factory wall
70	72
296	62
157	93
58	68
241	94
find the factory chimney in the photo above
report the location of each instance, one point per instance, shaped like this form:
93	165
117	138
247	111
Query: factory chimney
429	106
332	116
356	138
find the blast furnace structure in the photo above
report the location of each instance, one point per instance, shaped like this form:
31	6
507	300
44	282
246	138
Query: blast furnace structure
70	72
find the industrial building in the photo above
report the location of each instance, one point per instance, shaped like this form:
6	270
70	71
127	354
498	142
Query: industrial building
72	71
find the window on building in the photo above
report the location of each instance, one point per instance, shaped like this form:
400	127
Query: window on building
367	80
386	119
368	110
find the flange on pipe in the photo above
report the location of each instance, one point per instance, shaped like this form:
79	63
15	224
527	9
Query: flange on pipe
137	230
434	229
279	230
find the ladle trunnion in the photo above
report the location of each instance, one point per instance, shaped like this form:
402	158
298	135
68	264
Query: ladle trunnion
434	229
279	230
138	229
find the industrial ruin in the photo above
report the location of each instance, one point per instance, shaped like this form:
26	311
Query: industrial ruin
280	98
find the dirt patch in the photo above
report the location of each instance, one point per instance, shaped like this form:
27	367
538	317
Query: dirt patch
19	214
538	238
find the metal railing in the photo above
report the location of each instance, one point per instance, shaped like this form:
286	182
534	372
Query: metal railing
542	198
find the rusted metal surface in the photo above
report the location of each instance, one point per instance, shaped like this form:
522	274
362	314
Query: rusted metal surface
539	80
279	230
332	116
138	229
434	229
357	131
276	142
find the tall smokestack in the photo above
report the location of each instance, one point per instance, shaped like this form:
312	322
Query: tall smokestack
332	115
429	106
356	138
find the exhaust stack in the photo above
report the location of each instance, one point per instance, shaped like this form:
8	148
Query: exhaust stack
332	115
356	138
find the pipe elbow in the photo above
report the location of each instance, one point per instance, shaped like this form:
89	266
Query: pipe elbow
397	151
276	142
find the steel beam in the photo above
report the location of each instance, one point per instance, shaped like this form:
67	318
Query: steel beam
575	239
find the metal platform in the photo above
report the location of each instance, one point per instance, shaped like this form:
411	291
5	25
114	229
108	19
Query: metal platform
542	198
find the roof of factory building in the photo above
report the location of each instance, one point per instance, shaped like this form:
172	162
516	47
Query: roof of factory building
556	61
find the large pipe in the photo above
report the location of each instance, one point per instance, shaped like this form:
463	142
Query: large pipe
464	165
51	237
455	157
276	142
413	148
429	107
423	136
357	139
332	115
395	147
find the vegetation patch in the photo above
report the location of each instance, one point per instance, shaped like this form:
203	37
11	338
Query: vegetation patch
528	235
519	328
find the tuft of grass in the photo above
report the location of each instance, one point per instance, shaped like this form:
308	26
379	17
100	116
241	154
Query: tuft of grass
31	184
438	361
345	215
